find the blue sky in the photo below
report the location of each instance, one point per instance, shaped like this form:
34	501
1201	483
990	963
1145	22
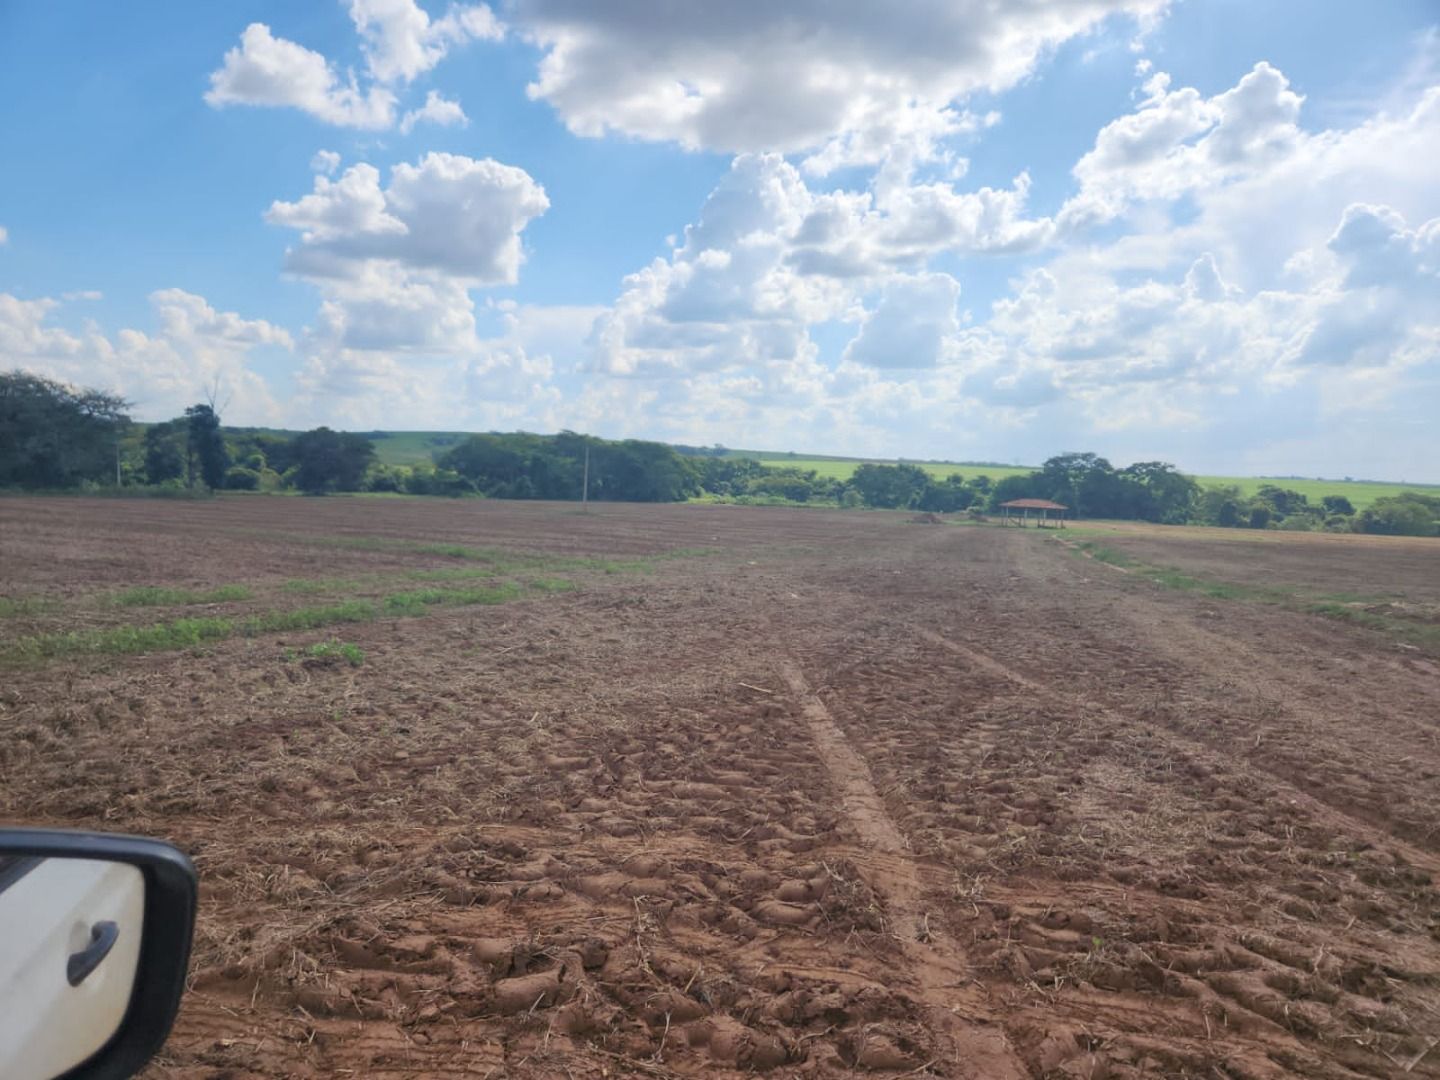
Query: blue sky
1202	232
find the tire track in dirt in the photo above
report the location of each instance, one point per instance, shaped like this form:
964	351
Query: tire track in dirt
1301	683
1219	993
1320	809
977	1050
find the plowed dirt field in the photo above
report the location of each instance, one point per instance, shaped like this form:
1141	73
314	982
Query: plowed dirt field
716	791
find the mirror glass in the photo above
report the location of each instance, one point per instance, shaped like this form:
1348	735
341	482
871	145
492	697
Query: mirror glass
69	948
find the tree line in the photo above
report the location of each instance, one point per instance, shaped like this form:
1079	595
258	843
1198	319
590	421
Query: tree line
54	436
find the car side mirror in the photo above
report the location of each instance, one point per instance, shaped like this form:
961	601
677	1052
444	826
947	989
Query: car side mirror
95	933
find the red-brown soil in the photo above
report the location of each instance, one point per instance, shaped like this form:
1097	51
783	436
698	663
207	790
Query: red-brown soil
844	795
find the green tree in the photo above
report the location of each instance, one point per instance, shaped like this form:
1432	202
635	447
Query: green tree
1337	504
789	482
1084	482
730	476
55	435
1219	504
1161	491
164	452
1407	514
947	495
331	460
205	446
524	466
1015	486
889	486
639	471
1282	501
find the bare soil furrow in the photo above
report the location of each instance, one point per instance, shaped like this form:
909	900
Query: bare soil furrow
939	969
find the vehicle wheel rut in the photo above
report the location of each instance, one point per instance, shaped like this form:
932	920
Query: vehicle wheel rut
958	1011
1320	809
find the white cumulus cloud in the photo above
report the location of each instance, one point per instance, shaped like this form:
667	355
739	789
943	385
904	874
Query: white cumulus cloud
913	326
768	257
447	213
266	70
195	347
401	41
1178	141
395	264
756	75
436	110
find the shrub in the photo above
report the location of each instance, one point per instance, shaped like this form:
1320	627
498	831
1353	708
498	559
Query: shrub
242	478
427	481
385	478
336	651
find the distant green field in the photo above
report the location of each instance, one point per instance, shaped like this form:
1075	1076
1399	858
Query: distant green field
1361	493
842	468
395	447
416	447
413	447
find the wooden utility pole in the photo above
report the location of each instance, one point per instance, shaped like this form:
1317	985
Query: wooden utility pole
585	485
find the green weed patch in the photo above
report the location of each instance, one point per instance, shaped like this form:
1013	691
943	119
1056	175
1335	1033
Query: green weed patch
550	585
336	651
158	596
417	600
162	637
1101	553
530	574
309	618
17	606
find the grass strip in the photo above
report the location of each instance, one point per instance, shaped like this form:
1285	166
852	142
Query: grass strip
1343	606
1101	553
17	606
161	637
159	596
308	618
188	633
417	600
